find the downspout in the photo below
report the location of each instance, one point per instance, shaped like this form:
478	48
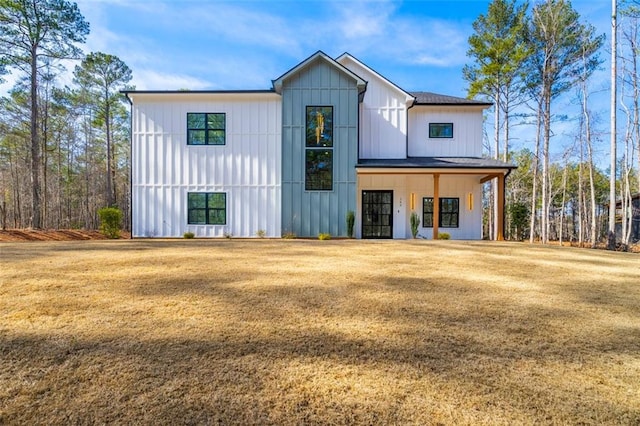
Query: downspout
406	148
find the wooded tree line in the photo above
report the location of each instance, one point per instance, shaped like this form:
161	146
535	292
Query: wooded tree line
64	150
524	57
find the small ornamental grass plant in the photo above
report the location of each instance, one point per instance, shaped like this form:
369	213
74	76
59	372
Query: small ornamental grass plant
415	223
351	220
324	236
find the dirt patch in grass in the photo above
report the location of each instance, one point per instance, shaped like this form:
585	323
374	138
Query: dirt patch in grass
317	332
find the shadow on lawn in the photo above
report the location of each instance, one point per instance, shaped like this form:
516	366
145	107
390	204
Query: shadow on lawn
301	350
242	378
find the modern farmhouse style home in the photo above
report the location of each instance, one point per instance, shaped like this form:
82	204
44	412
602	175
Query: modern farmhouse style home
331	136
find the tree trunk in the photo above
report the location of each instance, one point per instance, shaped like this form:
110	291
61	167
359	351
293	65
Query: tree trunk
580	196
564	198
534	190
494	182
611	237
36	219
109	196
545	225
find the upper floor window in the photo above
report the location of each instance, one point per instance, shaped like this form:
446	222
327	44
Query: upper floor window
206	128
448	216
440	130
319	148
207	208
319	130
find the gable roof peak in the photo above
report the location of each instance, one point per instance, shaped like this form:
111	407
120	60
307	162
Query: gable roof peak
319	55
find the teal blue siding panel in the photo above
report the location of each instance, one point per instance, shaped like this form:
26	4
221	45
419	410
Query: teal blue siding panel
307	213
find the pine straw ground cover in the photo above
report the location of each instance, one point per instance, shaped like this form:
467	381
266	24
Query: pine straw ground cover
317	332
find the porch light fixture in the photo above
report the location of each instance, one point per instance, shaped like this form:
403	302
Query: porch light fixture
413	201
470	201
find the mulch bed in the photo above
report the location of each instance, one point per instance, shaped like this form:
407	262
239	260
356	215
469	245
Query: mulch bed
17	235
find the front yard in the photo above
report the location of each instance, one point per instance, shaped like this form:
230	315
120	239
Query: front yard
317	332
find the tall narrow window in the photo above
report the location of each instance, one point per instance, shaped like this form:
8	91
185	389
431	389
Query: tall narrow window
440	130
319	148
206	128
448	216
206	208
427	212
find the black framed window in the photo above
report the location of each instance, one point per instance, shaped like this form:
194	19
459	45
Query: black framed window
448	215
318	170
207	208
319	148
427	212
449	212
440	130
206	128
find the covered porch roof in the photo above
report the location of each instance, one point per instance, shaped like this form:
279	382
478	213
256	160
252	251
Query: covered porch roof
435	163
486	169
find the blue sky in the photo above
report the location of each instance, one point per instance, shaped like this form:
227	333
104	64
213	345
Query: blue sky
205	44
228	45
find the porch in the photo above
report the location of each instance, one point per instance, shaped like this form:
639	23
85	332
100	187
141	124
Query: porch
446	193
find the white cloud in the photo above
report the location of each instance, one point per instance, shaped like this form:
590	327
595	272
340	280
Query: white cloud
364	19
245	25
147	79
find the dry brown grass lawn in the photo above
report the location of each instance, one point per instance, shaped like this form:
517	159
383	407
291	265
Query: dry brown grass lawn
317	332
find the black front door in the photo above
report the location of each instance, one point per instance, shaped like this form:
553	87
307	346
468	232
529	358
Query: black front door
377	214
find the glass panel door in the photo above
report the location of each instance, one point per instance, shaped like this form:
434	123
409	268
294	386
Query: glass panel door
377	214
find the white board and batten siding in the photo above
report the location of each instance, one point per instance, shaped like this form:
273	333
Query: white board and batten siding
165	169
467	131
383	114
463	187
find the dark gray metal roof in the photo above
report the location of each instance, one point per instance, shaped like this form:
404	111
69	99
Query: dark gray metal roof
437	163
429	98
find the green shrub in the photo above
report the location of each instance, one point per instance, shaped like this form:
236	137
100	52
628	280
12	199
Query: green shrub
289	235
351	220
228	235
444	236
188	235
323	236
415	223
110	221
261	233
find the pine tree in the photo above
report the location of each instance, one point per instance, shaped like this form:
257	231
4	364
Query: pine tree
31	31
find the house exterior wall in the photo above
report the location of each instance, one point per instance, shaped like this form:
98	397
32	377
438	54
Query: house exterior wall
467	132
308	213
247	168
403	185
383	116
